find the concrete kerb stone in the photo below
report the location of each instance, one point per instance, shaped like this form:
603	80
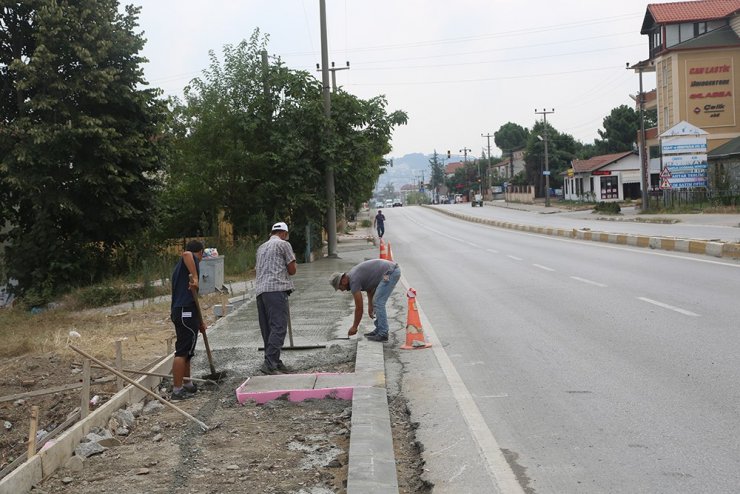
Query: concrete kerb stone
691	246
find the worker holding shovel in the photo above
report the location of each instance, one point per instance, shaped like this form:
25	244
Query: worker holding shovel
185	316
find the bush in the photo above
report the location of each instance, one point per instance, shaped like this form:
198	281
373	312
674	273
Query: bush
608	208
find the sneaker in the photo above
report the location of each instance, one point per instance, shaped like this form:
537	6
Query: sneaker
270	371
371	333
283	368
377	337
191	387
180	395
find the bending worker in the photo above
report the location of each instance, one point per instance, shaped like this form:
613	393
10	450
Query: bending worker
377	277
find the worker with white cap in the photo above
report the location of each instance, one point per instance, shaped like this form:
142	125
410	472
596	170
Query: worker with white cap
276	262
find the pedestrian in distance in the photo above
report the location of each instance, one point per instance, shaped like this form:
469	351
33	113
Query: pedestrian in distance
379	223
276	263
185	317
376	277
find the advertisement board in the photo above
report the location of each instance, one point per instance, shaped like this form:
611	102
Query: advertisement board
710	100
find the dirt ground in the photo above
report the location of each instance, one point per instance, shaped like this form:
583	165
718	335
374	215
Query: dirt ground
279	447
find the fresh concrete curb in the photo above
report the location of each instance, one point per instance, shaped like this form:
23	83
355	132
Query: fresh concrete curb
372	462
691	246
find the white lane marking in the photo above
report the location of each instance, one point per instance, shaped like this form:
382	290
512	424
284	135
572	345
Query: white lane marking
492	251
472	244
669	307
584	280
543	267
498	468
514	257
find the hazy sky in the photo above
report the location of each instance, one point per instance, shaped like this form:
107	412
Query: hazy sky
459	68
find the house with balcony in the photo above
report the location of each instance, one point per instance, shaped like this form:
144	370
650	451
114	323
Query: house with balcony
694	50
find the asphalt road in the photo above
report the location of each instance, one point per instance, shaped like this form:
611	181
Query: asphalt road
724	227
568	366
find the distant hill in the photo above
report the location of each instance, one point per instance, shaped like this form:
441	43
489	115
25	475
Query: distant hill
408	169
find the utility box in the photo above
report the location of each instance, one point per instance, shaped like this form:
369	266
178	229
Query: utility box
211	274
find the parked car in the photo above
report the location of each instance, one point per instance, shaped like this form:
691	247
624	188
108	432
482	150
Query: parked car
378	204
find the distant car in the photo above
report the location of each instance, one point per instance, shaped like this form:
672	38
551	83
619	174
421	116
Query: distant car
389	203
397	203
378	204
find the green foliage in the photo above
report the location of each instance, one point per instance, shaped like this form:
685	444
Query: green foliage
79	148
562	149
607	208
252	140
437	177
620	131
510	136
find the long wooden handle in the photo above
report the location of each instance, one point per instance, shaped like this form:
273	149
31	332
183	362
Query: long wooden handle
194	291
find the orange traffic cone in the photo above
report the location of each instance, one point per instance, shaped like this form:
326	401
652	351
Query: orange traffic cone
390	252
414	332
383	250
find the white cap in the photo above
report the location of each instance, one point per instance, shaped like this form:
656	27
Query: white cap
280	226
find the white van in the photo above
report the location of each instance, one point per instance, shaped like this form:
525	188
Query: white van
389	203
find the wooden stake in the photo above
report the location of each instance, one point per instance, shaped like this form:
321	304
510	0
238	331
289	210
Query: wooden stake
32	431
119	364
85	393
142	388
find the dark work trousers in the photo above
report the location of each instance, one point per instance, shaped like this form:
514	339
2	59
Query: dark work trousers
272	308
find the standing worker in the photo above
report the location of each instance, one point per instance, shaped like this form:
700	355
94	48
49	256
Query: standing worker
379	223
184	315
275	264
377	277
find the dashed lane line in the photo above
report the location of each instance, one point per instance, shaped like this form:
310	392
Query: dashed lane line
669	307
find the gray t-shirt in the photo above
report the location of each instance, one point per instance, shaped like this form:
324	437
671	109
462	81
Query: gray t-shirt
367	275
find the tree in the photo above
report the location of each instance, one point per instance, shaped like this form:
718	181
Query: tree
510	136
561	150
620	131
437	177
80	145
252	140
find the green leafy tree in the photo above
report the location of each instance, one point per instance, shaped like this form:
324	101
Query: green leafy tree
510	136
252	140
437	176
561	150
620	131
80	145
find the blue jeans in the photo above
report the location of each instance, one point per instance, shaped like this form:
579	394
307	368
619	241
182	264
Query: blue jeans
382	292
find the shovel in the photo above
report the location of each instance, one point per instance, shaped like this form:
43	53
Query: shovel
213	376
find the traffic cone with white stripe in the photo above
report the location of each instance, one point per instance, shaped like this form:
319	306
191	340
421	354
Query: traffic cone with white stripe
383	249
414	332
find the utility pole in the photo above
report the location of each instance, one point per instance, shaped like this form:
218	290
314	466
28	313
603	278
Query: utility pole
544	114
644	175
333	71
488	137
331	211
465	155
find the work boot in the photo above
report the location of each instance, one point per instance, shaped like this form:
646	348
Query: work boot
377	337
180	395
191	387
266	369
283	368
371	333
